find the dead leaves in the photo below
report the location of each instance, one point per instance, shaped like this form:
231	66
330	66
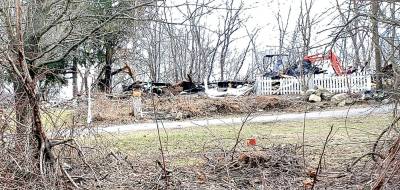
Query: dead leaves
201	177
308	183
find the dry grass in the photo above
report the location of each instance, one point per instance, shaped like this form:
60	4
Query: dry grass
190	151
348	141
117	111
199	157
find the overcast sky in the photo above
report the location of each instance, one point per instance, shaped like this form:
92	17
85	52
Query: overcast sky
263	15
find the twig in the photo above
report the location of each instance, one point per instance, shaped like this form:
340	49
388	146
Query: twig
82	156
238	135
304	132
381	135
361	157
387	163
345	120
164	165
53	144
321	156
69	177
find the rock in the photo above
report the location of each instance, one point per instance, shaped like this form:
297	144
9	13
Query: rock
379	96
367	95
385	101
339	97
179	116
310	91
314	98
324	93
342	103
347	101
66	166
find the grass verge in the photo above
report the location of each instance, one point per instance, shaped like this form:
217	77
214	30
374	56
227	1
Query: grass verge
351	138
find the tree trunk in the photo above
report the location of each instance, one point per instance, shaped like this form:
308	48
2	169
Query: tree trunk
25	99
375	39
214	53
396	69
85	81
108	72
42	141
357	62
75	77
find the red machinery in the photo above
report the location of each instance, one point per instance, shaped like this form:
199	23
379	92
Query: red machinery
335	62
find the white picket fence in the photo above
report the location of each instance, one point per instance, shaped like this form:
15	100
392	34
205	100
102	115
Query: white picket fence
355	82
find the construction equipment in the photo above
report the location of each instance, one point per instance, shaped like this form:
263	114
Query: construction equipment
275	70
273	64
335	62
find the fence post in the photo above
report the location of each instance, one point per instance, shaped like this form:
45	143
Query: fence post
263	85
368	87
257	85
311	84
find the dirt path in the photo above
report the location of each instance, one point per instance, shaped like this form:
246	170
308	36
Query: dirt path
339	113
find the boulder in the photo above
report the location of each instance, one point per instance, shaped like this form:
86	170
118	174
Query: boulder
310	91
342	103
347	101
324	93
314	98
367	95
339	97
179	116
380	96
385	101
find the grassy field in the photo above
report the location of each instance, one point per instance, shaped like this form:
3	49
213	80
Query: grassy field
350	139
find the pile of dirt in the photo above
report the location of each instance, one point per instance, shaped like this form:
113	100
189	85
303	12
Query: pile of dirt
269	103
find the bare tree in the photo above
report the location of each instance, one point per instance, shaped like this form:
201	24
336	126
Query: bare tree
305	24
32	31
375	40
230	26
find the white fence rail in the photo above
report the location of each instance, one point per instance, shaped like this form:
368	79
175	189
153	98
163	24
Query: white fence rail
355	82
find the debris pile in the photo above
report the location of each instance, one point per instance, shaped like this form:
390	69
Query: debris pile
185	87
277	166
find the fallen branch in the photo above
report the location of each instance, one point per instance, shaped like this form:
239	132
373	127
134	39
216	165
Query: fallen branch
69	177
381	135
389	162
361	157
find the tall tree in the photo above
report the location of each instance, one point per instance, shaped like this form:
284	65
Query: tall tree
41	35
375	40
